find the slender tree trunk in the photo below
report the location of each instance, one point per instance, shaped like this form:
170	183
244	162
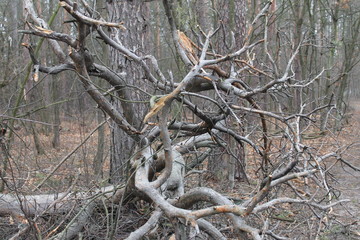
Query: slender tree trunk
157	33
8	53
232	14
4	157
99	157
331	59
348	63
56	111
100	151
298	10
14	23
56	92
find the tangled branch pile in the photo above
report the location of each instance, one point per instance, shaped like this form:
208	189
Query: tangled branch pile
221	92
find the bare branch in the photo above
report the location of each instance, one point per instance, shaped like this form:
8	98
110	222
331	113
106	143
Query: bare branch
292	176
87	20
276	201
149	225
49	34
29	7
100	99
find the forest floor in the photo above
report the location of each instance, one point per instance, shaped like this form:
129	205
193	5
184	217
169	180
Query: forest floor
346	181
343	221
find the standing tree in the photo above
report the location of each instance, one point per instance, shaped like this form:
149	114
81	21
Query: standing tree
130	90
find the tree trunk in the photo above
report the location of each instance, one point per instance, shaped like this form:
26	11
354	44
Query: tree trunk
134	37
56	111
99	157
348	63
232	14
330	62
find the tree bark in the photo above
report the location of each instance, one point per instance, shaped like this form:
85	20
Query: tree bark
135	38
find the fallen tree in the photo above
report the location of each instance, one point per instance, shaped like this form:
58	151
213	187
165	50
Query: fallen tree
158	168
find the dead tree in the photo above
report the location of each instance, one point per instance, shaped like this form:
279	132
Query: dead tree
158	167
